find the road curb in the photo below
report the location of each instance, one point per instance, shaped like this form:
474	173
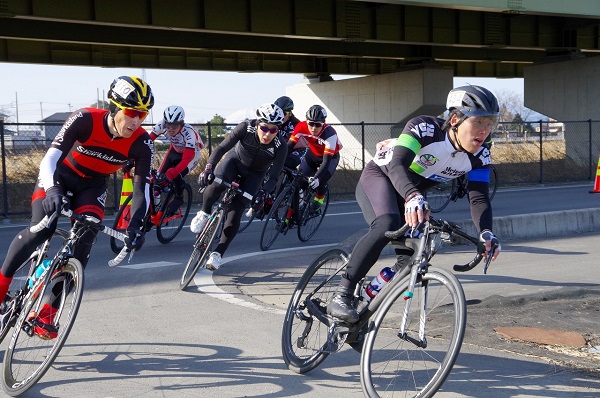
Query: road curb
521	227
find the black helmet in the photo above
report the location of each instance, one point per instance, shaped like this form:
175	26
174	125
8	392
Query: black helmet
285	103
473	101
316	113
131	92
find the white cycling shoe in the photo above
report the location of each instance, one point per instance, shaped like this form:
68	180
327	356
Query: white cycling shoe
214	261
198	222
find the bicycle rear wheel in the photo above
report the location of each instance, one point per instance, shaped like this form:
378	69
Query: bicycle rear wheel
440	195
304	337
276	219
310	220
172	220
28	356
202	248
121	222
390	364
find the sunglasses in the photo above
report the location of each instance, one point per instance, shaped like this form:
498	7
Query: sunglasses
172	126
265	129
133	113
315	124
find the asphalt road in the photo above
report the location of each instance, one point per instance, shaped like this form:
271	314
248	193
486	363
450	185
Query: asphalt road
138	335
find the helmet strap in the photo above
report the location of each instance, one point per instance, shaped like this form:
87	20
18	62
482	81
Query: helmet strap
455	131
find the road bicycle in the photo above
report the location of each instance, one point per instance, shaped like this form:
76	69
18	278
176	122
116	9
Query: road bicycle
45	280
260	211
168	218
409	334
440	195
292	207
208	238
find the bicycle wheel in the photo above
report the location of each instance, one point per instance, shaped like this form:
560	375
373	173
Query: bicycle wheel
439	196
493	182
172	220
310	220
304	337
246	221
121	222
28	356
276	219
202	248
391	365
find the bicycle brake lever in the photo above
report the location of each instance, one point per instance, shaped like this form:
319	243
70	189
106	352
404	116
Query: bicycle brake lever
488	259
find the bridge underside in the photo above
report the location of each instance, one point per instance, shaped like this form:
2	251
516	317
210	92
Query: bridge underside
314	37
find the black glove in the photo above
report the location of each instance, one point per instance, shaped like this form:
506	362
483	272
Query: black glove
53	201
161	181
128	166
206	177
134	240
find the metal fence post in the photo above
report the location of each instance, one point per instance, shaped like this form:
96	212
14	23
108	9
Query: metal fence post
590	149
4	178
209	138
362	140
541	154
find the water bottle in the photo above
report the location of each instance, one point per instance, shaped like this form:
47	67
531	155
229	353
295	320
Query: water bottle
378	283
38	272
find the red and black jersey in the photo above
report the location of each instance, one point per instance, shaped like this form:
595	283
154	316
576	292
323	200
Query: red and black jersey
326	143
90	150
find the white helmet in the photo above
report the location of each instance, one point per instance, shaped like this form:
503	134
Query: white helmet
270	113
174	115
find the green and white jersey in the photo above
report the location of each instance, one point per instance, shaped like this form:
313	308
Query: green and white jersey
436	159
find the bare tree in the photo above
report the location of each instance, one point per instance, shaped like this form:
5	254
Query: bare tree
511	105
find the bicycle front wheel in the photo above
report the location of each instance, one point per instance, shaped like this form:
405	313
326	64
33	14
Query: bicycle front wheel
311	219
493	182
121	223
173	217
440	195
246	220
416	364
29	356
277	219
304	337
202	248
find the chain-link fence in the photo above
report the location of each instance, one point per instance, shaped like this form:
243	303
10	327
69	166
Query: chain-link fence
523	153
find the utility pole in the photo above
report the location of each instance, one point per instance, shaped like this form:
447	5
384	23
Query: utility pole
17	110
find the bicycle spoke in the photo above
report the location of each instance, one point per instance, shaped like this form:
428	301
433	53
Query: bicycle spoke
304	338
174	217
393	364
276	221
28	356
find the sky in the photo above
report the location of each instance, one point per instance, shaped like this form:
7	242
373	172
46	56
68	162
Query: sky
37	91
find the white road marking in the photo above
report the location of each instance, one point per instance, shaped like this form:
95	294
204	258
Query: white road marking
155	264
205	283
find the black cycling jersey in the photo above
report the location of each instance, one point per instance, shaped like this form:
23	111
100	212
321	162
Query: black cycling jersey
286	130
250	152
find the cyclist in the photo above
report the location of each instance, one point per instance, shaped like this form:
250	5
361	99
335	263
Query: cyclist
322	157
91	145
183	153
390	189
249	151
289	120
